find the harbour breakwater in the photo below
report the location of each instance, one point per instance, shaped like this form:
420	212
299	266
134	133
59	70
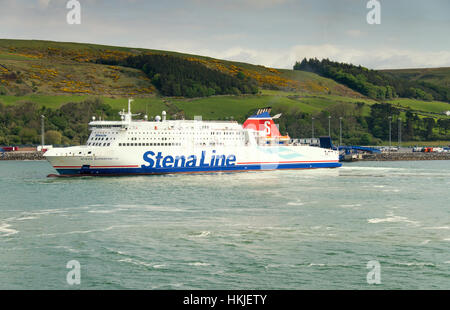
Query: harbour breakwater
404	156
22	155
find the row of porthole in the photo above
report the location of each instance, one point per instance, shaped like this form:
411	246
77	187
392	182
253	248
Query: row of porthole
99	144
149	144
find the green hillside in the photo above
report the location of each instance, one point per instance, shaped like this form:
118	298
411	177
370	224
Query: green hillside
438	76
54	68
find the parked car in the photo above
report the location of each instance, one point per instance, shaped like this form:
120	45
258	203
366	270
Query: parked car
394	149
417	149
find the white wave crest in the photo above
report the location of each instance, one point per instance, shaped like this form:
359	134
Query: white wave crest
391	218
199	264
5	230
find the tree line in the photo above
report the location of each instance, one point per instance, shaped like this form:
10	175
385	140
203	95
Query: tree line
20	124
177	76
361	129
373	84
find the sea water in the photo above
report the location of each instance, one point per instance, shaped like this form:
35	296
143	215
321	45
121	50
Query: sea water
299	229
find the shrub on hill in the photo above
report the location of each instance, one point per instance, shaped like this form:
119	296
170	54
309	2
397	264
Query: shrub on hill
371	83
177	76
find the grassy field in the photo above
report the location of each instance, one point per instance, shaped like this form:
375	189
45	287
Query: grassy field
438	76
220	107
49	101
419	105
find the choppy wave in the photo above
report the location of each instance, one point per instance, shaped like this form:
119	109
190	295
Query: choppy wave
199	264
201	234
317	265
351	206
84	231
416	264
136	262
295	203
26	218
6	231
437	228
391	218
362	168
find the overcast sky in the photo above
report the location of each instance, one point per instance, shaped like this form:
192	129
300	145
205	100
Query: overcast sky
412	33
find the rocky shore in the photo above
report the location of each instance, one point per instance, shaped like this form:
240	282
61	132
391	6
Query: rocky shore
22	156
405	156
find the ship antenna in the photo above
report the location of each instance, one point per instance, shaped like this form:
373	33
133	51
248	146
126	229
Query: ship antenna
129	105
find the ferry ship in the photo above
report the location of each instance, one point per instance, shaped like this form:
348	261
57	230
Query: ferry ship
134	146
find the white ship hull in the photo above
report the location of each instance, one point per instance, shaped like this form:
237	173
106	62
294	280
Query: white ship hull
161	160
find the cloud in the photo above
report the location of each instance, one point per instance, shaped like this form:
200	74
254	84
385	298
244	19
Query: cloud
253	35
265	3
354	33
43	3
240	4
382	58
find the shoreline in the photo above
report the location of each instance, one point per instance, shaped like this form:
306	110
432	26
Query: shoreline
18	155
404	156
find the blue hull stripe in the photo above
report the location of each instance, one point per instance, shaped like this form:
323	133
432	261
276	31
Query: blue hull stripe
134	171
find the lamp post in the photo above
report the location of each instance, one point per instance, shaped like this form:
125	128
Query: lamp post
340	131
329	126
399	132
390	132
312	127
42	132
